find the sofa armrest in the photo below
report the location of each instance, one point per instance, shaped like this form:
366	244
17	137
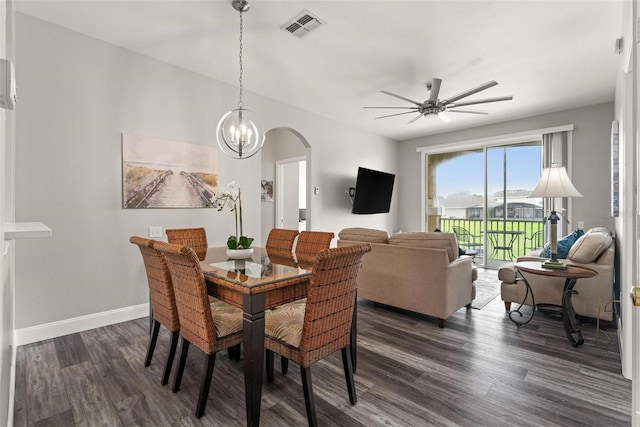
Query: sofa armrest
460	279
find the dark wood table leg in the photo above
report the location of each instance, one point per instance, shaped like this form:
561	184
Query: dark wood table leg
571	327
253	340
354	335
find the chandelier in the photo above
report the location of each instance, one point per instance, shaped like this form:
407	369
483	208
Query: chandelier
240	134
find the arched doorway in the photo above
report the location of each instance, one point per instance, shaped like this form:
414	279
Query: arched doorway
285	153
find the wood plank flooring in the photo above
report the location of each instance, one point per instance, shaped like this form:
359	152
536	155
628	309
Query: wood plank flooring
479	370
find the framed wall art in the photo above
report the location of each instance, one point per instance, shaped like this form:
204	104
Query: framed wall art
615	169
266	191
159	173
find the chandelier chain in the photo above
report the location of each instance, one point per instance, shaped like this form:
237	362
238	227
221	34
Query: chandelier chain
240	103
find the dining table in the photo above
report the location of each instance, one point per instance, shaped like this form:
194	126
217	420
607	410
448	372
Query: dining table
256	284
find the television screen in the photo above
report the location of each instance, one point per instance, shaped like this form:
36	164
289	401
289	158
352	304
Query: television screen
373	191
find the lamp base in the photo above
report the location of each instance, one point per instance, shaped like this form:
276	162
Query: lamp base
556	265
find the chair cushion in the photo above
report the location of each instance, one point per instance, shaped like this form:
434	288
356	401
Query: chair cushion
284	323
361	234
564	244
590	246
226	318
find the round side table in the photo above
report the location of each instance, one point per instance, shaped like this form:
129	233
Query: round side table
571	274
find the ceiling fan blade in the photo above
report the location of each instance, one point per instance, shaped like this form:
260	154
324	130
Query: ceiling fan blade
414	119
480	101
467	111
396	114
401	97
435	90
400	108
442	116
470	92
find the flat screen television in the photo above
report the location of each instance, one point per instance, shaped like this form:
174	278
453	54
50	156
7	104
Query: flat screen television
373	191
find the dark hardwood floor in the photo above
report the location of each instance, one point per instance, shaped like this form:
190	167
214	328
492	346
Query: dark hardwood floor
479	370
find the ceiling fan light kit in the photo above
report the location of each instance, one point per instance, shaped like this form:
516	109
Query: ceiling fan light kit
433	105
240	133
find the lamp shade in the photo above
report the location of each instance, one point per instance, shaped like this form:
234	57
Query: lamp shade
555	182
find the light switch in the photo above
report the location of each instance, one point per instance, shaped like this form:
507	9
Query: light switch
155	232
316	190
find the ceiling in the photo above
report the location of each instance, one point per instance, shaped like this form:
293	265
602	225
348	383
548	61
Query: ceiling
550	55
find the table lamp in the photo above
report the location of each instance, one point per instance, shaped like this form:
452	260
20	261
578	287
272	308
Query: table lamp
553	183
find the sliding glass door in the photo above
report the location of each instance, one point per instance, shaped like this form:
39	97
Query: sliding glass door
481	194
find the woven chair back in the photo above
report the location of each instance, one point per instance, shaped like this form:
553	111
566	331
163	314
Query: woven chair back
190	290
330	300
195	238
161	296
282	257
281	240
309	243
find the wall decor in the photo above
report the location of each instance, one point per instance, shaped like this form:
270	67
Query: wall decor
159	173
266	191
615	169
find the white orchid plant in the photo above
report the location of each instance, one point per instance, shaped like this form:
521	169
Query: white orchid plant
231	195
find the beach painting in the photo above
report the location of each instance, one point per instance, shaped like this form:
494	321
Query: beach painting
160	173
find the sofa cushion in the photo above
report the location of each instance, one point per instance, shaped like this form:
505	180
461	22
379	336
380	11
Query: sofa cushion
360	234
564	244
590	246
435	240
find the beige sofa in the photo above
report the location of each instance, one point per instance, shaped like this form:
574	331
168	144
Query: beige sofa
421	272
594	298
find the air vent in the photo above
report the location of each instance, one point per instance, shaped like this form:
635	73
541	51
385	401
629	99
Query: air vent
302	24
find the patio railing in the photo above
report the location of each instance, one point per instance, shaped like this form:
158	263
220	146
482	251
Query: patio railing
515	237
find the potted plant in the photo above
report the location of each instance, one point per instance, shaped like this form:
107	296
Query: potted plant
239	245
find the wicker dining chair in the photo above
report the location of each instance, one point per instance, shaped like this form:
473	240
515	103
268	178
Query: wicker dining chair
210	324
281	240
324	325
195	238
162	300
309	243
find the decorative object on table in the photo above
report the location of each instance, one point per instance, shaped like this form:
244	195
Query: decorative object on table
266	191
159	173
239	245
240	134
553	183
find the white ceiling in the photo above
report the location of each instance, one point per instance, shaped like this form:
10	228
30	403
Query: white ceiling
550	55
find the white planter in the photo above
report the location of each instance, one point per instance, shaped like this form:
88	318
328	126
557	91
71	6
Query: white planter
239	253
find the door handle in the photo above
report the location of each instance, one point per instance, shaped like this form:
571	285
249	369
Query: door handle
635	295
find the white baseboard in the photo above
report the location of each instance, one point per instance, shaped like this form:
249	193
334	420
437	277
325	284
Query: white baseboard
78	324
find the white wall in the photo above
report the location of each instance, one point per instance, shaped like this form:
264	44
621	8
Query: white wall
590	161
7	354
77	95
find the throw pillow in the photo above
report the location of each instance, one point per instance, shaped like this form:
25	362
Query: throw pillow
564	244
589	247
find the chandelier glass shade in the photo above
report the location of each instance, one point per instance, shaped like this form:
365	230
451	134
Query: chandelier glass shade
240	133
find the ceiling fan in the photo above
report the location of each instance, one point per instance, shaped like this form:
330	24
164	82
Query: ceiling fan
433	105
